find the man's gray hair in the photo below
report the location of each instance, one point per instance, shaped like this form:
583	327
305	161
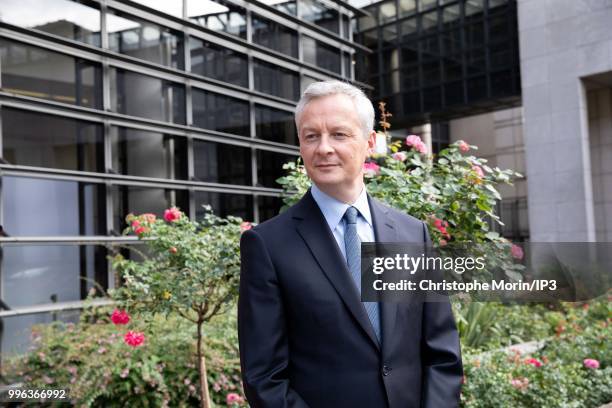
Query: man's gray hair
363	105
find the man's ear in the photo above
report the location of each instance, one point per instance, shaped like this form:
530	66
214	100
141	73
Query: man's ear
372	143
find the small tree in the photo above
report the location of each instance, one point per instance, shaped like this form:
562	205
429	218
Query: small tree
193	271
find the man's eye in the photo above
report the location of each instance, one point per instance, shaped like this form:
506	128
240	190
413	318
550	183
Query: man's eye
310	137
340	135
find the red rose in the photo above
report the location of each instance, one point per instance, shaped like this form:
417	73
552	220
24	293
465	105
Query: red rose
133	338
172	214
120	317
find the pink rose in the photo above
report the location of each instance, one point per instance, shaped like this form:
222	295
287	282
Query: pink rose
172	214
464	147
233	398
148	217
416	143
520	383
517	252
135	224
478	171
591	363
141	230
120	317
245	226
371	169
173	250
399	156
133	338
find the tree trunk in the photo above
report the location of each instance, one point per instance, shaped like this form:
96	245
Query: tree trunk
204	396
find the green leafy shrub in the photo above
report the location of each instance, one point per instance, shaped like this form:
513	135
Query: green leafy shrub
93	361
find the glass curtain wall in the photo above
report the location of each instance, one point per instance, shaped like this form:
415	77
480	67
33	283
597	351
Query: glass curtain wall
137	106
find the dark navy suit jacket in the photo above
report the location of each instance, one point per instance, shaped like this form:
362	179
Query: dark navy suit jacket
305	338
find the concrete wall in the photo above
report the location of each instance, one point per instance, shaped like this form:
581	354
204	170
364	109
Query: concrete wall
561	41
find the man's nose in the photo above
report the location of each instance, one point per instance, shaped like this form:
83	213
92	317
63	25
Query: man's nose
325	147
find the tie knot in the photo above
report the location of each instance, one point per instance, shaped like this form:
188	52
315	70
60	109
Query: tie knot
351	215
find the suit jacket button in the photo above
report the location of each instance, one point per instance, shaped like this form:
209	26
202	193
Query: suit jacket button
386	370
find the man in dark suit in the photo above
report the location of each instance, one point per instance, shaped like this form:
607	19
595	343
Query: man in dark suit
306	339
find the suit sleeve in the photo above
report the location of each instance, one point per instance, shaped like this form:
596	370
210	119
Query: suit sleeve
441	353
262	330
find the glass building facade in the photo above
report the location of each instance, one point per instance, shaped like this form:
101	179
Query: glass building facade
111	107
438	59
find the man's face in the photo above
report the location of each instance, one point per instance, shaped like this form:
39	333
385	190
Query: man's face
332	144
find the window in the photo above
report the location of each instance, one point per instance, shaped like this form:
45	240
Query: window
139	200
39	274
45	74
275	36
45	207
286	6
270	167
41	140
276	81
149	97
140	39
214	61
222	163
224	204
388	12
75	20
218	15
221	113
275	125
268	207
317	13
320	54
172	7
148	154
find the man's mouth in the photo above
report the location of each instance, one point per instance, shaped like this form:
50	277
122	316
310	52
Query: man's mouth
326	165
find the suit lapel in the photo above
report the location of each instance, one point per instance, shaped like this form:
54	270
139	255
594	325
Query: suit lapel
384	231
321	242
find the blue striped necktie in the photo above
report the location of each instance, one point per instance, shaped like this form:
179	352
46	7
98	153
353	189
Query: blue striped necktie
352	245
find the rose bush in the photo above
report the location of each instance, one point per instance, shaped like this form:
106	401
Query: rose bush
192	271
92	360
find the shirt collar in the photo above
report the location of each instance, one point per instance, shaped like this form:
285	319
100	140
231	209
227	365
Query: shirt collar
333	210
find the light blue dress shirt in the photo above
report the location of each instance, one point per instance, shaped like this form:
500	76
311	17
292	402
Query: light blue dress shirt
333	210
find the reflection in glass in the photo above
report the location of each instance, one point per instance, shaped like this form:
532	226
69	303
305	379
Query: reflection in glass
407	7
275	125
224	204
275	36
37	72
218	62
16	331
277	81
172	7
75	20
148	154
270	167
286	6
319	14
268	207
140	39
387	12
221	113
221	163
39	274
346	26
218	15
320	54
45	207
139	200
41	140
146	96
